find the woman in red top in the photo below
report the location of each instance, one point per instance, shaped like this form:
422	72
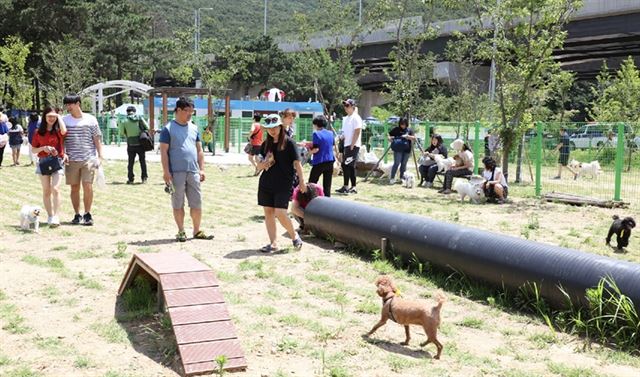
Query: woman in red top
49	141
255	138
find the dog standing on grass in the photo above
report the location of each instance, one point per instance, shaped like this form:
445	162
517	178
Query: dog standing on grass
622	229
30	215
409	312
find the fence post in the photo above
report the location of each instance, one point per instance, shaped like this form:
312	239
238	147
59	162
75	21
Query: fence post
385	141
476	148
619	161
427	135
539	131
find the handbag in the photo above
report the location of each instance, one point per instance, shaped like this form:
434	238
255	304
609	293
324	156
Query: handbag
247	148
145	139
49	165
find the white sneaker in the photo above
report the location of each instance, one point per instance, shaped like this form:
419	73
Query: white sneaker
55	222
50	220
392	181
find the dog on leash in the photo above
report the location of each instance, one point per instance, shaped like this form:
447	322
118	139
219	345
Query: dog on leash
30	215
473	191
409	312
408	179
622	229
581	168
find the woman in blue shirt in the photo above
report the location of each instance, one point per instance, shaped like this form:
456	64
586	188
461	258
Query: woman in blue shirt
401	139
322	154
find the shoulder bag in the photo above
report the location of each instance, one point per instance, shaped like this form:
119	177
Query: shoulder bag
145	139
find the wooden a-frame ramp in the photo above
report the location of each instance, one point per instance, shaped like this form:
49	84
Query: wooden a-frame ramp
199	316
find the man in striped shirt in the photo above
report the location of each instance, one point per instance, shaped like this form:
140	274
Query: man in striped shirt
82	141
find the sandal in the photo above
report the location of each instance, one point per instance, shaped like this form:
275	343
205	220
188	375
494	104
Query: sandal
181	237
268	249
202	236
297	243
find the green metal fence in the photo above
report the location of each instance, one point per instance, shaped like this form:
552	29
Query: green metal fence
618	157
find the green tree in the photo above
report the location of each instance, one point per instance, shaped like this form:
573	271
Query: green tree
618	96
65	73
13	57
526	34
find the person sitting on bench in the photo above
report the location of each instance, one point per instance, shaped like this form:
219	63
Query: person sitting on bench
495	187
460	170
428	167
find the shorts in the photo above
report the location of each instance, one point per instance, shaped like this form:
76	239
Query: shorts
490	193
563	159
186	183
274	199
59	172
77	171
255	150
15	146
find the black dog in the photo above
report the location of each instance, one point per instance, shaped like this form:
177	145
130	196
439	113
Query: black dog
622	229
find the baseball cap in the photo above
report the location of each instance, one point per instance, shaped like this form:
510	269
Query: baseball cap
349	101
131	109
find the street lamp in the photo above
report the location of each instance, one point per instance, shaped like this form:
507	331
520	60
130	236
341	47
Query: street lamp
196	45
265	18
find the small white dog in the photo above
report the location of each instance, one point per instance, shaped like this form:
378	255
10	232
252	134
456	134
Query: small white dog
444	164
385	169
592	168
407	179
472	190
30	215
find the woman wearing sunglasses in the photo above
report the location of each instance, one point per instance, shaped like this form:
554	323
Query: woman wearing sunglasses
279	164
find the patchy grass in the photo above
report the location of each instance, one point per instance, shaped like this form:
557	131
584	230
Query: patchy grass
111	331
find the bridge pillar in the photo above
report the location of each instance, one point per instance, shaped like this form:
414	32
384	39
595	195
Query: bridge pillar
369	99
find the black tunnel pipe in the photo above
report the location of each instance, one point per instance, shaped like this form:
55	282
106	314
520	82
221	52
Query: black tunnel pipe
480	254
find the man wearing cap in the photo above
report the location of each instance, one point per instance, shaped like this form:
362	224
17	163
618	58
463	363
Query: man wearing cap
183	167
351	130
81	144
130	128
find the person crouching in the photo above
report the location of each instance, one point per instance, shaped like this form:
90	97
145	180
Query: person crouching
300	202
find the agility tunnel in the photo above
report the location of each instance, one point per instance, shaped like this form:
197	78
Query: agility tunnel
494	258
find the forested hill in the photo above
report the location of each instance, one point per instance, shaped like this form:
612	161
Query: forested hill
233	21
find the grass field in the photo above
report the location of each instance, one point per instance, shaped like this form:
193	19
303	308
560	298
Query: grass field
298	313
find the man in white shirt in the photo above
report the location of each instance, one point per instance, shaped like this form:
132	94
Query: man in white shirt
351	132
81	143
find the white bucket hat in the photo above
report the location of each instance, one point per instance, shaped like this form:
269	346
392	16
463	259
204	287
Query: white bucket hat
457	144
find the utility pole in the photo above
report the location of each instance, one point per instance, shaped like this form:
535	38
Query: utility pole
359	12
197	27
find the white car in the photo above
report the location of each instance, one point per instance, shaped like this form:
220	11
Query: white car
595	136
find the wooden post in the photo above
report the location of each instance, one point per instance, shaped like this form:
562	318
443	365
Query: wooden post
165	115
227	121
383	248
152	109
210	121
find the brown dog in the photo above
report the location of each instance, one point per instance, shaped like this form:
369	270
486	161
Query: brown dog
409	312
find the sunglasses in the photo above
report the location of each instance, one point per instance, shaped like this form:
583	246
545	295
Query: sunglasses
346	105
271	120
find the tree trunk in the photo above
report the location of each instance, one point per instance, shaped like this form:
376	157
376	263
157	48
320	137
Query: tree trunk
506	148
519	161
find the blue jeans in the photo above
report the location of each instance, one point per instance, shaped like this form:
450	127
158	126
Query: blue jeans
399	158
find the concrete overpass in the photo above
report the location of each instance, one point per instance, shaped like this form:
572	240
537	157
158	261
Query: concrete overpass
602	30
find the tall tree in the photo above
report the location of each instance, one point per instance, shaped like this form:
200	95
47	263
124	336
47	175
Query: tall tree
13	58
619	95
526	33
64	72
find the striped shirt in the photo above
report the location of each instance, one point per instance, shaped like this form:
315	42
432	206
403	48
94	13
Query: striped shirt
78	143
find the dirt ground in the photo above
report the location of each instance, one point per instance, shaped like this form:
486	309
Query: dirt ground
298	313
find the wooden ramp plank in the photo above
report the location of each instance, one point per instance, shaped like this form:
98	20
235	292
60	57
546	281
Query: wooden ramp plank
193	296
183	280
184	315
207	351
237	363
172	262
204	332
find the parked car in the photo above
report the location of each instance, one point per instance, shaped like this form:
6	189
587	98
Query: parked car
372	121
596	135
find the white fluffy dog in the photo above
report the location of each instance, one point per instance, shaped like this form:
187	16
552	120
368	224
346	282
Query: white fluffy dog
592	168
385	169
407	179
444	164
472	190
30	215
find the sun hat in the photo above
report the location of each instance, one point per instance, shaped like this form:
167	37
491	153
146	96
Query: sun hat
457	144
272	121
